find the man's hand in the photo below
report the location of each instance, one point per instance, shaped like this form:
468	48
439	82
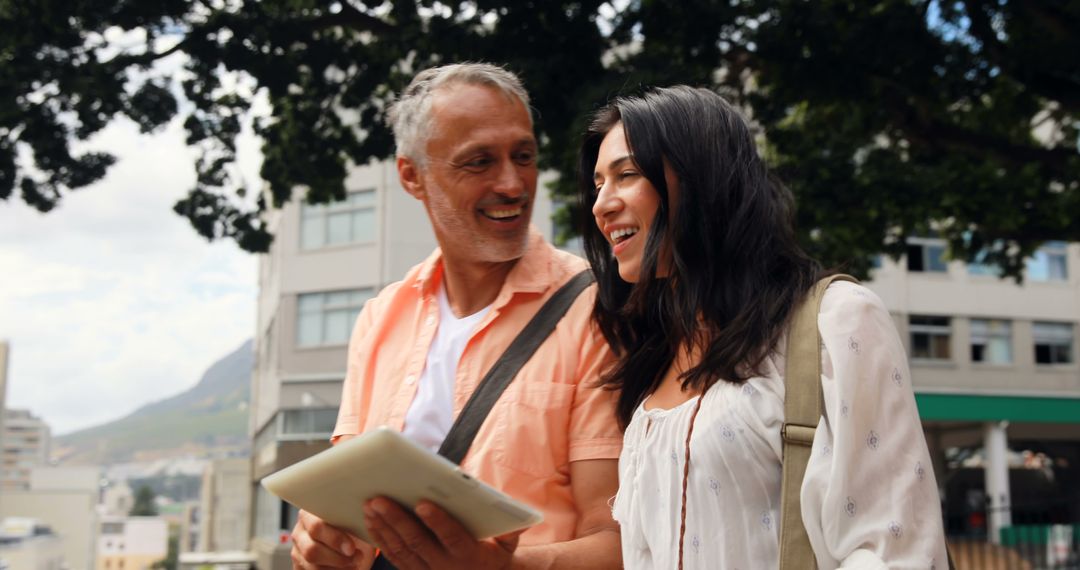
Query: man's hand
432	539
317	545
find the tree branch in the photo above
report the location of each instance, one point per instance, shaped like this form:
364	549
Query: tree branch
938	132
1060	89
143	59
351	18
914	114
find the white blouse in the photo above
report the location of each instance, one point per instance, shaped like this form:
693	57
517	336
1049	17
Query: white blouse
869	499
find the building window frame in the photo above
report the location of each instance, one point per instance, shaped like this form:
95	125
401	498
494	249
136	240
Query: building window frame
1049	263
350	221
991	342
305	424
926	255
931	338
326	318
1053	343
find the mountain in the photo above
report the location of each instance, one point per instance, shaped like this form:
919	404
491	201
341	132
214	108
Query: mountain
210	416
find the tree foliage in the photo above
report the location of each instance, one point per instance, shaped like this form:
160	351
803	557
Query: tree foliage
172	552
887	118
144	503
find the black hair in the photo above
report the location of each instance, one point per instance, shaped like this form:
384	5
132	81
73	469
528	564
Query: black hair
736	269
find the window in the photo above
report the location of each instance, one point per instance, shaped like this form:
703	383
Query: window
267	513
926	255
336	223
1053	343
930	337
979	266
309	422
112	528
1049	263
991	341
326	319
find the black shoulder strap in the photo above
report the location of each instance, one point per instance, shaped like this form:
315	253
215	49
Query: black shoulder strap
468	422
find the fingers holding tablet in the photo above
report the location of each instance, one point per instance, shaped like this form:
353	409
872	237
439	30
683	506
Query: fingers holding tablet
429	537
317	544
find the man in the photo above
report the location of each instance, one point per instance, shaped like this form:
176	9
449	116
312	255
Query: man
466	149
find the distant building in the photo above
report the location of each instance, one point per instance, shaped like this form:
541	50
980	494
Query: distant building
324	263
4	357
117	500
29	544
231	560
189	527
994	366
132	543
64	499
225	508
26	443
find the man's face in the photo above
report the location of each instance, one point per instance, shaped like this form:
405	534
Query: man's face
479	179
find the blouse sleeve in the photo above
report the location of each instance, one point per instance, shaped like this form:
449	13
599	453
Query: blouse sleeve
869	499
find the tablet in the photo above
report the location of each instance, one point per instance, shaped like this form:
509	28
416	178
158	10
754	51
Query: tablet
335	484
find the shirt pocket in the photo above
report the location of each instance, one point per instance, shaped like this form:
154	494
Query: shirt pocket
531	421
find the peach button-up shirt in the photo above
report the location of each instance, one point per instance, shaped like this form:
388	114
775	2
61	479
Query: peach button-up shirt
551	414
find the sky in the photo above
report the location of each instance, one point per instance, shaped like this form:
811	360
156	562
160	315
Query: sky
112	300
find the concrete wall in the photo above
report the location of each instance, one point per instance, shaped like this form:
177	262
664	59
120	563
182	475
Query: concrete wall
226	506
71	514
66	479
34	553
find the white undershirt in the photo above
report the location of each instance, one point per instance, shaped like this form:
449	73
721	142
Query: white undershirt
432	410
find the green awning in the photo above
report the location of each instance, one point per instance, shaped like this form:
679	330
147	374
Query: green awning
970	407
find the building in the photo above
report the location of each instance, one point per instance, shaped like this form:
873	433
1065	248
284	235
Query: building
64	499
5	351
231	560
28	544
225	508
132	543
117	500
26	440
994	368
324	263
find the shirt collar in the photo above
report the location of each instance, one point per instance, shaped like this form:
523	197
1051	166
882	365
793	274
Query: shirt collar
531	274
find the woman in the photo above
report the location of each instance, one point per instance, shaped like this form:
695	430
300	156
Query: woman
698	269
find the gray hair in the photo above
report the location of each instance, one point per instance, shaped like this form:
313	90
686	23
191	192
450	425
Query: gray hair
410	115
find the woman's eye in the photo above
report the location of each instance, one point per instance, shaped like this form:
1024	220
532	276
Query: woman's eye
626	174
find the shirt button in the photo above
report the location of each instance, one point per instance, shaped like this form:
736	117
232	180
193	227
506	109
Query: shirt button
410	379
430	320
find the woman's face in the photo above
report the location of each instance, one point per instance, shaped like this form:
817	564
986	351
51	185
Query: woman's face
626	203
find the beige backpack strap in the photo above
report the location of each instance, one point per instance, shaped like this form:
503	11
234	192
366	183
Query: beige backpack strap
802	410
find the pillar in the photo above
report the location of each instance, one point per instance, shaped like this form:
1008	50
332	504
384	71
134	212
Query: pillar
996	469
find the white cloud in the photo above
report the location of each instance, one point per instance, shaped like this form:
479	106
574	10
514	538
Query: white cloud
111	300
